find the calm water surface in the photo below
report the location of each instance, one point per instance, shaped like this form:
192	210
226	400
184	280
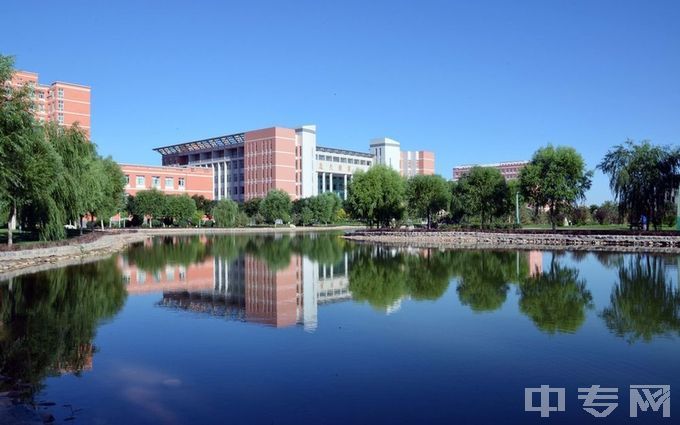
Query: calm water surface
313	329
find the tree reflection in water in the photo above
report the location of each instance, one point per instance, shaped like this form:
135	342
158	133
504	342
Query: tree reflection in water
643	304
556	300
49	320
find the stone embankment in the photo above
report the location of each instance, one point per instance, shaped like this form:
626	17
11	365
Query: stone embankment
560	240
28	260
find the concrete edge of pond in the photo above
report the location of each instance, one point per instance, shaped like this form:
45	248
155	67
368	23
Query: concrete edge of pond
669	244
15	263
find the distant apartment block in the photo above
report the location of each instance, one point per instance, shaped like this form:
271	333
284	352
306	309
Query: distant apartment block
60	102
386	151
416	163
510	169
170	180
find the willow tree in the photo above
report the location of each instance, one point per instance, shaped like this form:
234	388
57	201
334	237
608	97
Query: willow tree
642	176
17	129
555	178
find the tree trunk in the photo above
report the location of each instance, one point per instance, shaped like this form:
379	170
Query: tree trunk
80	225
102	225
11	223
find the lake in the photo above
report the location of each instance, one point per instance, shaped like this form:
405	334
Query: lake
279	329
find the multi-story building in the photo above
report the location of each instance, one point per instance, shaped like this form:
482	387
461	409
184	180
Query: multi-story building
386	151
509	169
335	167
170	180
417	163
60	102
249	164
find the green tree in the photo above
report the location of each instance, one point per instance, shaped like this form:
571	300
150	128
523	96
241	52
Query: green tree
642	176
555	178
376	196
111	189
276	205
484	193
252	207
325	207
82	181
427	195
179	209
303	215
204	204
17	132
225	213
607	213
150	204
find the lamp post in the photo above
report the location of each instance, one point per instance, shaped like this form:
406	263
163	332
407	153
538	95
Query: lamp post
517	208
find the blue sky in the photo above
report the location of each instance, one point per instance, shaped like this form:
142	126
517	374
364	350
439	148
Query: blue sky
475	81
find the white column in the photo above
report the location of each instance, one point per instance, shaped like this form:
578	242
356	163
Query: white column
323	182
330	183
219	180
227	173
344	195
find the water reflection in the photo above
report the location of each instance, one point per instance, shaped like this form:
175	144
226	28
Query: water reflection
555	300
274	280
49	321
282	280
644	303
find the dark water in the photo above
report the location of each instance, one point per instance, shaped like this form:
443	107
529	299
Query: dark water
297	330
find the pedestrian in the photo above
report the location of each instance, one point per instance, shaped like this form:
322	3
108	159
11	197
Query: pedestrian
643	222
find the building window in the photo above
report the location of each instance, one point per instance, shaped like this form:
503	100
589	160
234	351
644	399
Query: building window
60	118
156	182
168	183
60	105
41	95
140	181
60	93
180	183
127	180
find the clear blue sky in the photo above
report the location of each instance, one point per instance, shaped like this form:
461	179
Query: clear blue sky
474	81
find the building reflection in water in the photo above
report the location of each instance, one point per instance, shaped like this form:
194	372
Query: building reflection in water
246	288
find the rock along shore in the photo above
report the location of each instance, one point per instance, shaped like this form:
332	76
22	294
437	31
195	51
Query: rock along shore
29	260
525	240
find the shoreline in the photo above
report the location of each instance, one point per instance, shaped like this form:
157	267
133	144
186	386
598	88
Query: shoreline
632	243
30	260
